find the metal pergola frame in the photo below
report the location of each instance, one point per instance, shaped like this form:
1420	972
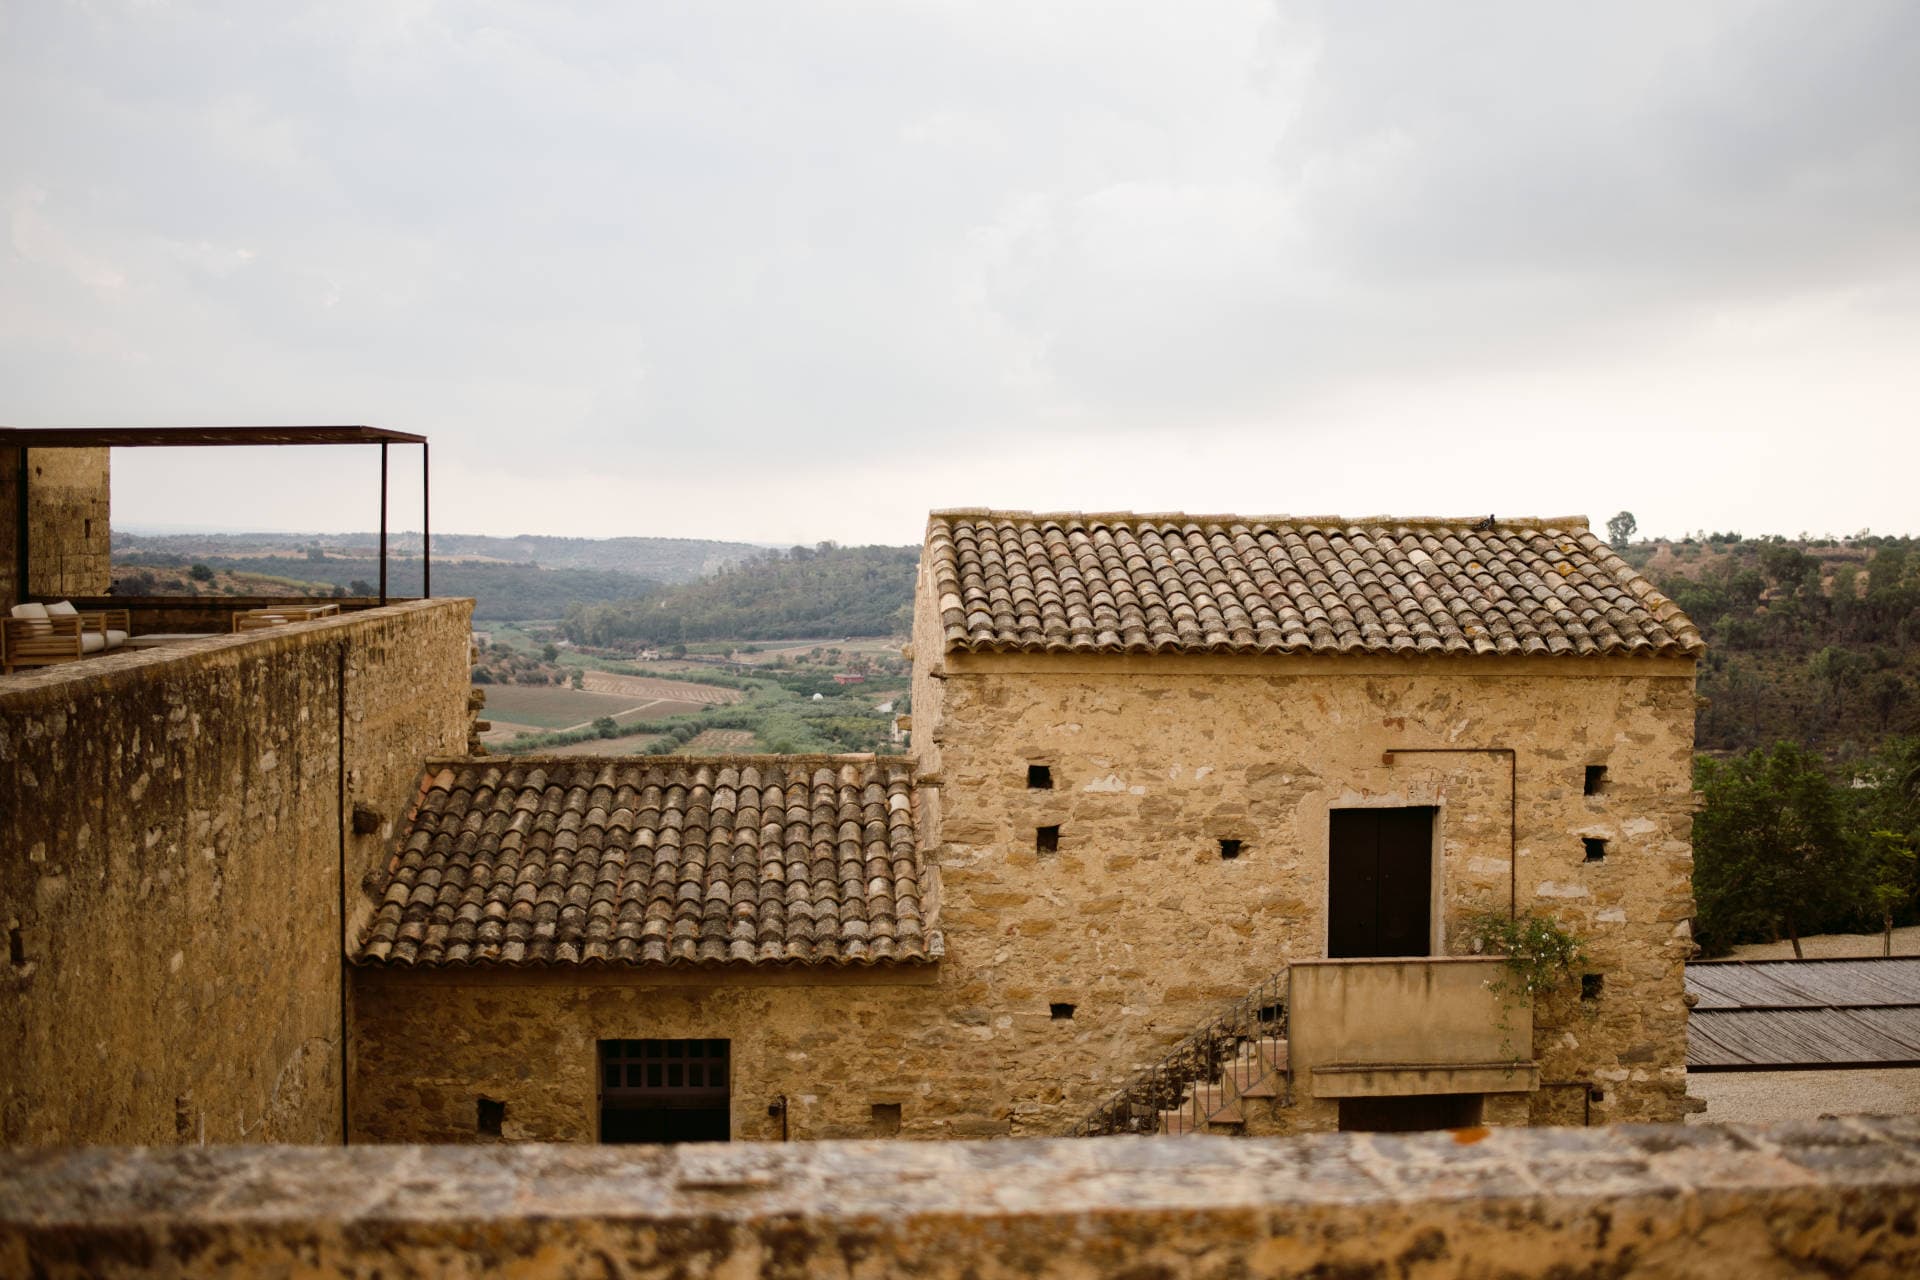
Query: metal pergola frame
25	439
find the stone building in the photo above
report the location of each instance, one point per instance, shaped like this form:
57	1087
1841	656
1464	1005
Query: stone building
64	516
1215	790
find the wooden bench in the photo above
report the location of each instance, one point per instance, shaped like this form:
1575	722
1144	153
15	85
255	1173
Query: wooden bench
40	635
281	615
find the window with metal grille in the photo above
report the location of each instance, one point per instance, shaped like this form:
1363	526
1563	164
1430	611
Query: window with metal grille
665	1091
692	1072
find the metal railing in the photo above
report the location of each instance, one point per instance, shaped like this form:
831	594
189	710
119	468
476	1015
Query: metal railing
1200	1060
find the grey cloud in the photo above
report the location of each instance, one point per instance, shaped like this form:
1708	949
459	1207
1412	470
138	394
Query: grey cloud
767	233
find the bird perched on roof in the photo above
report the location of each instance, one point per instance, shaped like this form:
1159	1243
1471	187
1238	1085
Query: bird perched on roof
1484	526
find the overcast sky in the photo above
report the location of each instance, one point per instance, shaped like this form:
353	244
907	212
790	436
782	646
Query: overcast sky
791	271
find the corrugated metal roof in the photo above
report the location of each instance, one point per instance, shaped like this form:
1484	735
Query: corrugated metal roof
1773	1015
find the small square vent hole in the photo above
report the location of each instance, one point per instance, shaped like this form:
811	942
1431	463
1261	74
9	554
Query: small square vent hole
1229	849
1596	848
1060	1012
1046	840
1596	783
1039	777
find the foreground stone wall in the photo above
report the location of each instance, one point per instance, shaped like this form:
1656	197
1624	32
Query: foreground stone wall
1839	1198
1139	922
67	523
178	850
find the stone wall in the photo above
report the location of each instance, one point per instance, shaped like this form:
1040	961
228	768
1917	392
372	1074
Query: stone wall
67	523
1139	922
179	849
831	1043
1840	1198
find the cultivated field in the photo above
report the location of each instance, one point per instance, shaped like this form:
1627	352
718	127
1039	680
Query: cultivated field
719	740
546	708
633	746
646	688
549	707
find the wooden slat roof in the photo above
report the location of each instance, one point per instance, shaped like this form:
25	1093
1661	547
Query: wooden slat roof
144	437
1775	984
1778	1015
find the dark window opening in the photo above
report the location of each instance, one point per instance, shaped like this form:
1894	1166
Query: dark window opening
886	1119
16	946
1229	849
492	1114
1380	882
1410	1114
665	1091
1271	1012
1060	1012
1591	985
86	528
1596	779
1596	848
1596	1094
1039	777
1046	840
182	1116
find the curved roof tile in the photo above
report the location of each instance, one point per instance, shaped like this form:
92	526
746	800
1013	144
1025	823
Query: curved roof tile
1020	582
699	874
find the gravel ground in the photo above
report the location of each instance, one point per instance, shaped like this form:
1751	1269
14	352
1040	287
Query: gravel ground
1765	1097
1906	942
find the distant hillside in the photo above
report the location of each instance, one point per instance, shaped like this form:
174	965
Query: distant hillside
657	559
1813	641
802	593
501	592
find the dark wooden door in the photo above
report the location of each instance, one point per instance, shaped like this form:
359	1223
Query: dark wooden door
1380	882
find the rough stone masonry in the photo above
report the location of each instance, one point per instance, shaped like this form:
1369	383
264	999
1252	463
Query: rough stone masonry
1712	1203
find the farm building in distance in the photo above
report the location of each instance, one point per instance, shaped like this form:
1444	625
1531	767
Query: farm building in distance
1216	790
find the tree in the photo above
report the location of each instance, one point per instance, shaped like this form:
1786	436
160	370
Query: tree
1771	849
361	587
1620	529
1885	877
201	573
578	679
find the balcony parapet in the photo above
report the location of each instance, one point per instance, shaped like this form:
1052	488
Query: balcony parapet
1408	1025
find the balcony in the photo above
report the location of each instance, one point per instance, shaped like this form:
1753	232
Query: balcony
1399	1027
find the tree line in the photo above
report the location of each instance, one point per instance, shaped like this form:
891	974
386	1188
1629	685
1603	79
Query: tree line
1786	846
1817	642
823	590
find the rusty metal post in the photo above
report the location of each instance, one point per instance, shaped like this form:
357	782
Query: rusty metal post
426	535
383	522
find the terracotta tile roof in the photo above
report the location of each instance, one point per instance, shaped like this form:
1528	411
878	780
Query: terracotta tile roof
1017	582
659	860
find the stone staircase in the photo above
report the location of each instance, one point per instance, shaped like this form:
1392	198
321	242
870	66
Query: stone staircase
1257	1073
1228	1075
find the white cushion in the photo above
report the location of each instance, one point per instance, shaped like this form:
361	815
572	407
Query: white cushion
61	609
92	642
115	639
38	612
